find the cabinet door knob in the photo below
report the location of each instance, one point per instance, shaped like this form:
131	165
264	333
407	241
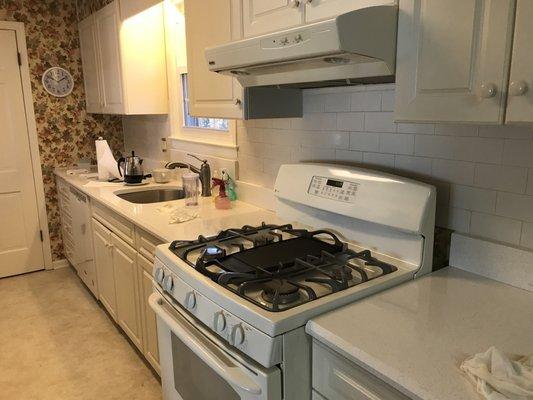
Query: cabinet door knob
487	90
238	102
295	3
518	88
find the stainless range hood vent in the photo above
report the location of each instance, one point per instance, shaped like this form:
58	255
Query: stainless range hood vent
353	47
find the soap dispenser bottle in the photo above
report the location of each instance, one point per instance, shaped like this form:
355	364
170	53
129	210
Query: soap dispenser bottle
222	201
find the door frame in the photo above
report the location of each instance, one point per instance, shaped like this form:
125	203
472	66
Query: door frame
20	34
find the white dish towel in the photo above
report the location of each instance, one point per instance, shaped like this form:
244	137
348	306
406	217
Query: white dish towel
497	377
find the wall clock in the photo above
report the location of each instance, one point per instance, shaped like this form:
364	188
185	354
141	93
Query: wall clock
58	82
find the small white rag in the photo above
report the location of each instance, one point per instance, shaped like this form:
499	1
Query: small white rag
178	215
497	377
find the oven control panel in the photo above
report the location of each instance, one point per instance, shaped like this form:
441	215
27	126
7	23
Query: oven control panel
262	348
333	189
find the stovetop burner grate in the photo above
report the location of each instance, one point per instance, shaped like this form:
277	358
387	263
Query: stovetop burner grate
277	267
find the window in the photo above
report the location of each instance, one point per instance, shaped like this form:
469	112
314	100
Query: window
216	124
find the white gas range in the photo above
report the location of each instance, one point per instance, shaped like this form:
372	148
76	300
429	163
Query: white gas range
232	308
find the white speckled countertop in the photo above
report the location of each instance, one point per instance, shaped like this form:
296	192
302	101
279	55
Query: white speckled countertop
416	335
209	222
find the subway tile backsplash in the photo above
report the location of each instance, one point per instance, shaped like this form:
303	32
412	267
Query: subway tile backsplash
483	174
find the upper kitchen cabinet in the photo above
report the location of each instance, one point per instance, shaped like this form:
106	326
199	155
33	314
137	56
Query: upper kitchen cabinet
316	10
520	99
123	55
262	16
208	23
453	60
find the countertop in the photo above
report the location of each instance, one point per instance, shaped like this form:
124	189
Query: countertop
415	336
147	216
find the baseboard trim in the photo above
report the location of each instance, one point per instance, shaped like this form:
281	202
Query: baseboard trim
63	263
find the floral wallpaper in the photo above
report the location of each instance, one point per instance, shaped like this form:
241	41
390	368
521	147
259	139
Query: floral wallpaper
66	132
87	7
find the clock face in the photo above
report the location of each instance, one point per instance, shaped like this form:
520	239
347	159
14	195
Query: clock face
58	82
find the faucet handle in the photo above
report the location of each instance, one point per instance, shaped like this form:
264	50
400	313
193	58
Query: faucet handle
198	158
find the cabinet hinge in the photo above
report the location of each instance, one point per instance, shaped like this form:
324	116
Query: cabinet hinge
19	58
42	237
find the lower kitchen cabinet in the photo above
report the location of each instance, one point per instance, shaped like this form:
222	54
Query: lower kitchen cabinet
123	261
337	378
116	269
127	289
150	345
103	257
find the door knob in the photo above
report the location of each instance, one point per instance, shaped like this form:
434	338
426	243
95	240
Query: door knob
518	88
487	90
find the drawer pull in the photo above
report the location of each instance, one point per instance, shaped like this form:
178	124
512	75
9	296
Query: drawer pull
348	385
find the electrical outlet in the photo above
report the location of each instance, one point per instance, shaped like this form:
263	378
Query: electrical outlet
163	145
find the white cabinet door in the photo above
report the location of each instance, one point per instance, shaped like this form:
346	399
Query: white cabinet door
150	344
316	10
125	269
89	58
453	59
520	99
103	258
208	23
108	30
262	16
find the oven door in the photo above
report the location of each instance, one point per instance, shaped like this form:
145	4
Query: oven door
196	365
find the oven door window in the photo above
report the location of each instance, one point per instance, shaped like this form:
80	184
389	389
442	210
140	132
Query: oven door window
194	379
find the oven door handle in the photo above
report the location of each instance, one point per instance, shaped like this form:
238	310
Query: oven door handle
231	374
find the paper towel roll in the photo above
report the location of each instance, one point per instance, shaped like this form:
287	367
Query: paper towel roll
107	165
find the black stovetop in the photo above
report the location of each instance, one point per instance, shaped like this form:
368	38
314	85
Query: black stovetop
277	267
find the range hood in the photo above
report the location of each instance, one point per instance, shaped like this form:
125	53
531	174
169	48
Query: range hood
355	47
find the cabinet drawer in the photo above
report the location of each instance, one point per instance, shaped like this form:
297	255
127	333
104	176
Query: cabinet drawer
337	378
119	225
145	244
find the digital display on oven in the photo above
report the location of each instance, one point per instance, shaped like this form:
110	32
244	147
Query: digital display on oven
331	182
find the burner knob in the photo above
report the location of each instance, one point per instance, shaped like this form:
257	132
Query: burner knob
190	300
237	335
168	283
219	322
159	275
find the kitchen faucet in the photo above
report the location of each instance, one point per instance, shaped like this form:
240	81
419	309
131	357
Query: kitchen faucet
204	172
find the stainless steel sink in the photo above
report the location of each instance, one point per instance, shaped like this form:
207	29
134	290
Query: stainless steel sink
152	195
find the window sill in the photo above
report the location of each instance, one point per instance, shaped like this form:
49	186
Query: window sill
207	147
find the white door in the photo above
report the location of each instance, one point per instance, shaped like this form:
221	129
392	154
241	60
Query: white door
125	270
520	100
316	10
262	16
208	23
108	31
103	259
453	59
89	58
20	237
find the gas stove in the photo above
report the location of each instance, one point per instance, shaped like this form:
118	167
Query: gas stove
337	234
277	267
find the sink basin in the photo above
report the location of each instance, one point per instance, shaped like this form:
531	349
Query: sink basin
153	195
